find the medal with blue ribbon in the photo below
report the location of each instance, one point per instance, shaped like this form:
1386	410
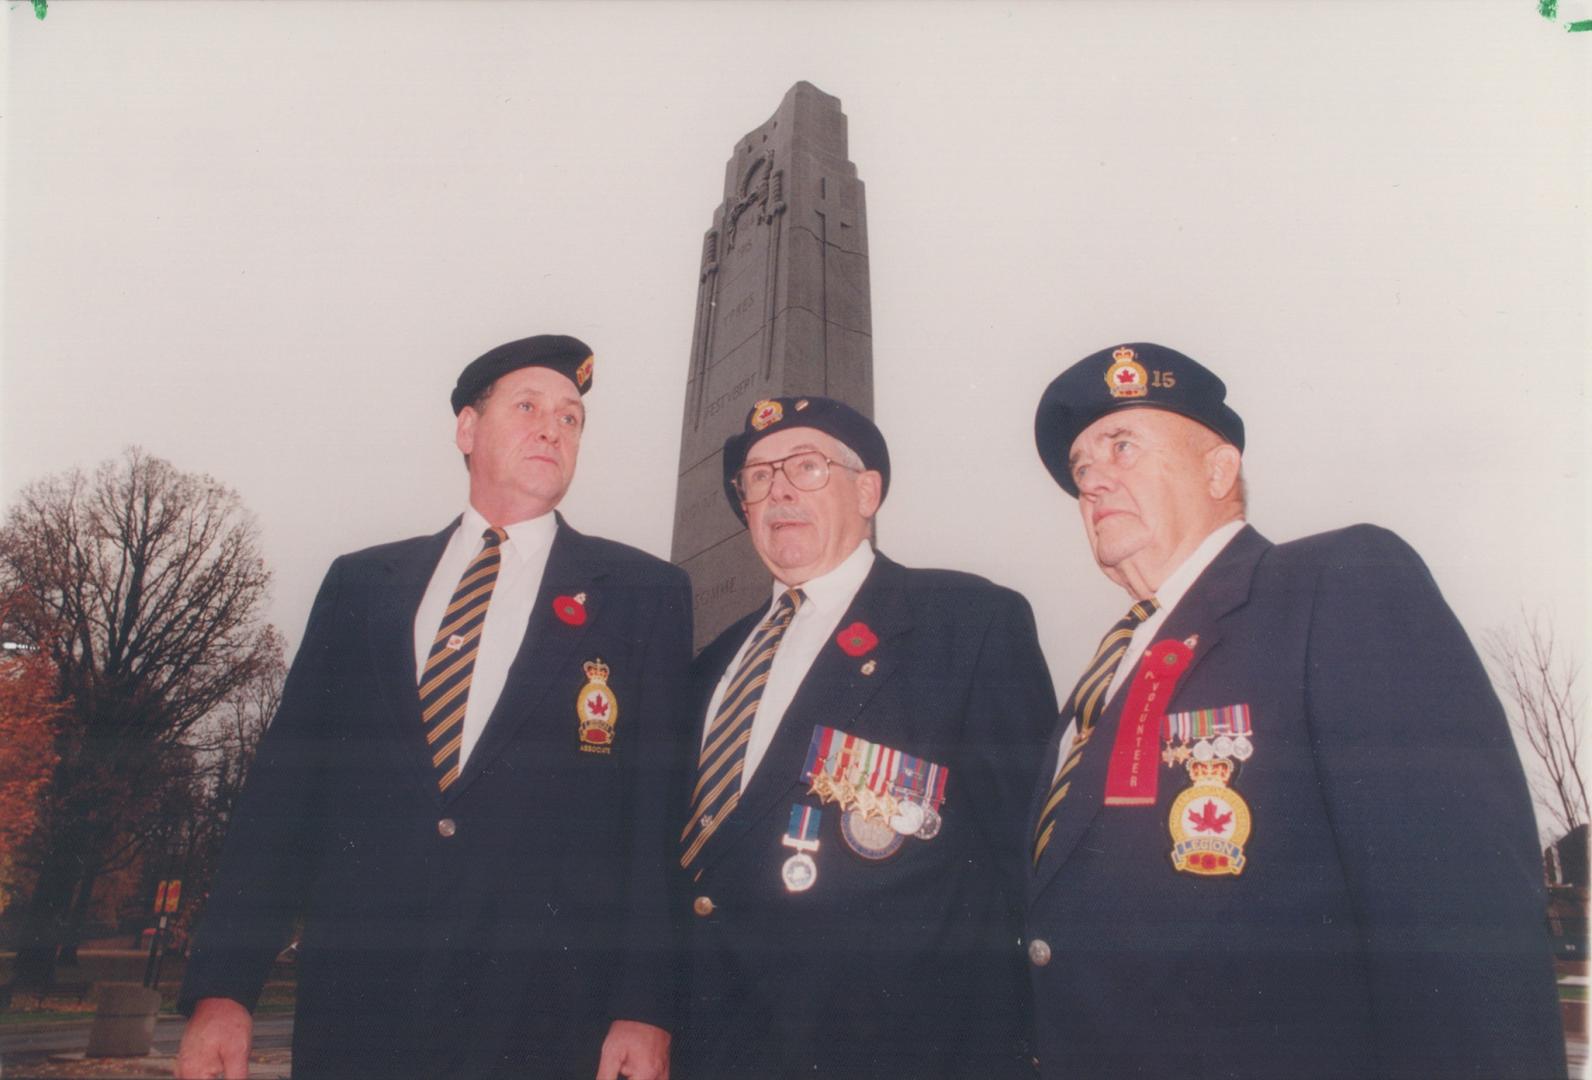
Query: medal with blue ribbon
800	872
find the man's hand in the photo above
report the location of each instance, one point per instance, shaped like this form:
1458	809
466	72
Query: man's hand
639	1051
216	1041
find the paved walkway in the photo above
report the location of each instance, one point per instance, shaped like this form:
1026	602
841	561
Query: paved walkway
50	1050
55	1049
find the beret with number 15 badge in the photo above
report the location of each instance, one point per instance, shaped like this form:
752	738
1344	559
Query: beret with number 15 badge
1136	375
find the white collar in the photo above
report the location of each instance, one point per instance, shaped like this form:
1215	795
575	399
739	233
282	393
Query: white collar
832	593
526	538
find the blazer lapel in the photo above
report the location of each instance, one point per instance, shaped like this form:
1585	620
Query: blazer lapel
1221	589
550	647
392	644
833	694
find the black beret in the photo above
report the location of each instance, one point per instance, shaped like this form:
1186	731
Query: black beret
570	357
1136	375
832	417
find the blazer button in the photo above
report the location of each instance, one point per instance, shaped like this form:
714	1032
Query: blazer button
447	827
1038	952
703	906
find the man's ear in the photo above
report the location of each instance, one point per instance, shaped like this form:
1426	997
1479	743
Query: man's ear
1222	463
464	430
870	488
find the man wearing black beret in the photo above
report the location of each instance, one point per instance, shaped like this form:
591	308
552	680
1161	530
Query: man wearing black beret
1282	830
465	791
866	744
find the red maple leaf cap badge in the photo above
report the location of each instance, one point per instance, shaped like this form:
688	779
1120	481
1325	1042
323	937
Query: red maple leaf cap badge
570	609
856	639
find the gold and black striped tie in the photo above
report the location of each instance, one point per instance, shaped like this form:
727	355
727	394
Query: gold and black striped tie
1087	701
445	680
718	786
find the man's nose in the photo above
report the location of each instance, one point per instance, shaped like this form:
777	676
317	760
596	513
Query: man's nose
780	487
1095	479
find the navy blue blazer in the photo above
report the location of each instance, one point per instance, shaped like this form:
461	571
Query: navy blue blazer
496	929
1389	920
907	966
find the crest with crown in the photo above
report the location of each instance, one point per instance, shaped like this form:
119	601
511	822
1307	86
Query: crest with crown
1126	376
1214	772
597	709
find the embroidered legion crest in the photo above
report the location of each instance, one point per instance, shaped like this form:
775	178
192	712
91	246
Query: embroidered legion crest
765	413
597	709
1126	376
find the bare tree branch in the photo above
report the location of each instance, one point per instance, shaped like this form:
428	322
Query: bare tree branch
1546	709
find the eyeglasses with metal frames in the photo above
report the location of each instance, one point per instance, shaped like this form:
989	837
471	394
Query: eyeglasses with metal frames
807	470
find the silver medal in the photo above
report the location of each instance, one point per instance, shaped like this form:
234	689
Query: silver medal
908	819
800	872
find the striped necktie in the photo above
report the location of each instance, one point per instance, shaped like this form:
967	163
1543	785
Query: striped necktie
1087	701
445	680
718	786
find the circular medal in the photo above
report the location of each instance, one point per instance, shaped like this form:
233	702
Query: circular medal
931	824
867	837
1223	746
1203	751
1242	748
909	818
799	872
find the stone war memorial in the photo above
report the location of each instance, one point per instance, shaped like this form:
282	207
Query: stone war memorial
782	309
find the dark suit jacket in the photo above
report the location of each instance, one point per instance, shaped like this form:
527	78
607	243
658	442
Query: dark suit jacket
908	966
1390	919
508	946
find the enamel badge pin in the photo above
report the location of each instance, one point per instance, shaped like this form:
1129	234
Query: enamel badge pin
1209	822
597	709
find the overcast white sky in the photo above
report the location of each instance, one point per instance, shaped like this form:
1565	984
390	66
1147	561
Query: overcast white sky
260	240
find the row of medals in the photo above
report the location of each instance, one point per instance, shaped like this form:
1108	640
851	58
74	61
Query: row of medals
1237	747
874	826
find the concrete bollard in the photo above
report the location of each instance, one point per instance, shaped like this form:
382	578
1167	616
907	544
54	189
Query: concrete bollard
124	1023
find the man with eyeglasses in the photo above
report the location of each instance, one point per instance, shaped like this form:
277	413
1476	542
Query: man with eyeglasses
852	852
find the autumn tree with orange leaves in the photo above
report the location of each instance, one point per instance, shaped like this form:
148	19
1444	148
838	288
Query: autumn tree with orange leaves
28	721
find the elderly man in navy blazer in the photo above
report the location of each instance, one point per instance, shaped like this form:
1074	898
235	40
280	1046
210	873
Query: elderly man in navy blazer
1282	830
866	743
464	794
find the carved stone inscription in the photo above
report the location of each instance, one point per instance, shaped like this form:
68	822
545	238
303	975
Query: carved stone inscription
782	308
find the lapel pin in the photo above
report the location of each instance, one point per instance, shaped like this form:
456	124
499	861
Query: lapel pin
597	709
570	609
856	639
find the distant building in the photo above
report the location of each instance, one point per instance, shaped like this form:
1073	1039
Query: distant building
1564	864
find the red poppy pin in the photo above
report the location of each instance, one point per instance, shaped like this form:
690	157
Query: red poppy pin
1168	659
856	639
570	609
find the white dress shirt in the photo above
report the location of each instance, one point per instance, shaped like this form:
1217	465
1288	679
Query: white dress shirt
524	556
815	622
1168	596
